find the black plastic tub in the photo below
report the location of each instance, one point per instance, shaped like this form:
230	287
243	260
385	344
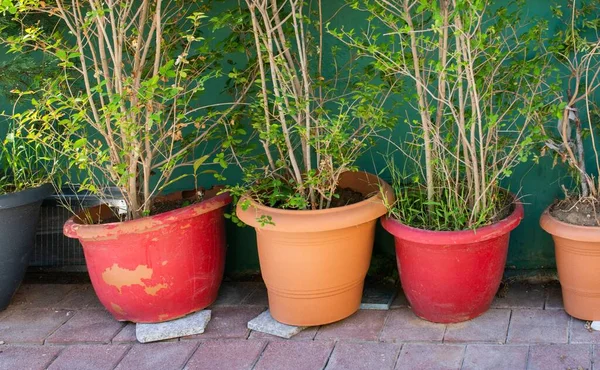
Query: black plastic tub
19	215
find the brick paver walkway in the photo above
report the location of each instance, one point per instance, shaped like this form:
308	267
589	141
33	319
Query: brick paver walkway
65	327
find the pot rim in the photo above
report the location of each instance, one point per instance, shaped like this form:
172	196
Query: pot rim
555	227
27	196
75	228
413	234
289	220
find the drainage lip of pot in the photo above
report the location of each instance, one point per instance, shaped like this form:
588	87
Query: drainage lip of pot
24	197
75	227
292	220
423	236
568	231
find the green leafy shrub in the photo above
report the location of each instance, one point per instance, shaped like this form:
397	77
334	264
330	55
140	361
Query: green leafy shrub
23	164
477	73
128	108
572	129
310	126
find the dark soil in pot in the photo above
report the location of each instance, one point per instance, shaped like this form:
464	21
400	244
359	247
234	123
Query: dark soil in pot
171	202
345	197
577	211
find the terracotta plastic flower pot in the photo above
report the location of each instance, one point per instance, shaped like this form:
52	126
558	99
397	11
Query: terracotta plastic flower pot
578	262
452	276
314	262
156	268
19	215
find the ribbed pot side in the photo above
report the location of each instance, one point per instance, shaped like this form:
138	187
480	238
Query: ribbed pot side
314	262
577	251
156	268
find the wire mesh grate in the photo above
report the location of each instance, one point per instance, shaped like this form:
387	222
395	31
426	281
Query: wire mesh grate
53	249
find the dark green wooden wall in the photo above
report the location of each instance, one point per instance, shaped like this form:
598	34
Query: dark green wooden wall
538	185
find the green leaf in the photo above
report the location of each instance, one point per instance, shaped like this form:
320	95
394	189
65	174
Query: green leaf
79	143
198	162
173	181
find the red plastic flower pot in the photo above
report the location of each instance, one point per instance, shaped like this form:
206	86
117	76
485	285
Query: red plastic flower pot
452	276
156	268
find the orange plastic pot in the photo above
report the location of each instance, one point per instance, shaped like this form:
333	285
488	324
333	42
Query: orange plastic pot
314	262
156	268
578	263
452	276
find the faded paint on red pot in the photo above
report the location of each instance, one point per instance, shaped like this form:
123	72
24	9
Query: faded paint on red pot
156	268
452	276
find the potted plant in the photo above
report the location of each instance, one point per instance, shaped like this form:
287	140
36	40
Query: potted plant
475	97
26	172
574	221
313	212
127	112
25	180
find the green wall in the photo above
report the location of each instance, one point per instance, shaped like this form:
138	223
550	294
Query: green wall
538	185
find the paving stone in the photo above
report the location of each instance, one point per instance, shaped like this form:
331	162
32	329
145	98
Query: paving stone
41	296
225	354
265	323
6	312
306	334
596	356
259	297
554	297
492	326
521	295
299	355
126	335
400	301
229	322
31	326
163	356
233	293
500	357
402	325
538	326
580	334
560	357
430	356
194	323
27	357
89	357
378	296
81	297
87	326
363	325
363	356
